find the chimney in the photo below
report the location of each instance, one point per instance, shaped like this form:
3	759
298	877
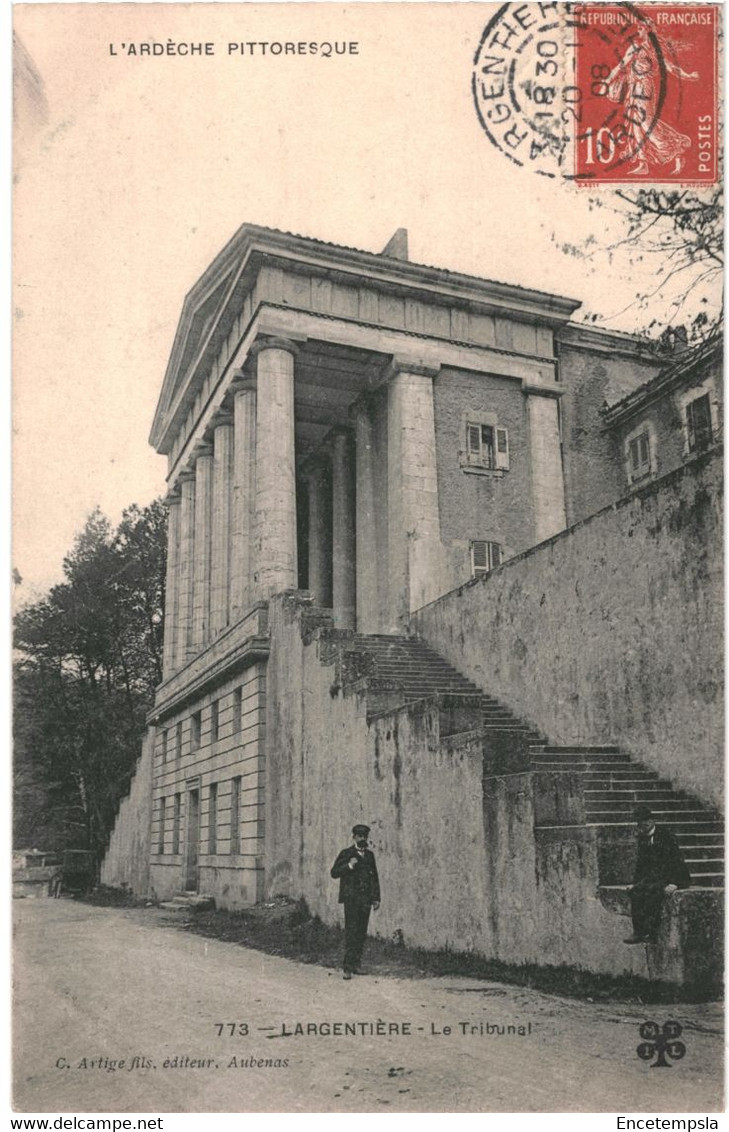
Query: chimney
397	246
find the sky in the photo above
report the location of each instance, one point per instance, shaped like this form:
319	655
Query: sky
131	173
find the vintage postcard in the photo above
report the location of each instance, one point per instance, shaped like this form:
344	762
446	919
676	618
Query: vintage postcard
368	656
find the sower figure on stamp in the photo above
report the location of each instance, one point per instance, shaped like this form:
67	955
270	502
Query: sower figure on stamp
659	870
359	891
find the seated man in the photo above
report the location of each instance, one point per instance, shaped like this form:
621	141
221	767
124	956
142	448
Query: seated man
660	869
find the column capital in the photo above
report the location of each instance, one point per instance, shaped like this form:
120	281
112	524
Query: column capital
274	343
242	383
363	404
173	496
314	466
187	475
202	449
222	417
415	366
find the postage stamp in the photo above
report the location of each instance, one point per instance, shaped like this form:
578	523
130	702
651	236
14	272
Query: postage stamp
602	93
648	83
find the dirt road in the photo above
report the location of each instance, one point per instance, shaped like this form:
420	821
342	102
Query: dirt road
98	987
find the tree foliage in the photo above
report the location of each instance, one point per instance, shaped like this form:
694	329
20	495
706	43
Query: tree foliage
89	658
679	235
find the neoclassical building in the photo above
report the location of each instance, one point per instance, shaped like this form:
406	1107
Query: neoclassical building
369	434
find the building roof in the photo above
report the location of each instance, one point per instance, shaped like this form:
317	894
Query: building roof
211	305
680	369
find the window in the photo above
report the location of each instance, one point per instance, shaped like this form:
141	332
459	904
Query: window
237	710
214	721
178	740
213	818
485	556
161	832
639	456
487	446
195	730
235	816
640	451
698	423
176	824
164	746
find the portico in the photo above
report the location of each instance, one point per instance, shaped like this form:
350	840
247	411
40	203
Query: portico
317	416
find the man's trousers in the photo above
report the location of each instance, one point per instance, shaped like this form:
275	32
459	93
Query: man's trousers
356	919
646	902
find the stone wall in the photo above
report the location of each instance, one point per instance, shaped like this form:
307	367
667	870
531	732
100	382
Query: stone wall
593	464
478	504
214	747
499	865
126	861
610	632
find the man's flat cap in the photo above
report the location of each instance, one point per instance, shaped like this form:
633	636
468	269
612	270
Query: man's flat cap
643	813
361	829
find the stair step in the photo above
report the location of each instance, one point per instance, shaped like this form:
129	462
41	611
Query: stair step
707	881
551	749
676	826
660	794
663	806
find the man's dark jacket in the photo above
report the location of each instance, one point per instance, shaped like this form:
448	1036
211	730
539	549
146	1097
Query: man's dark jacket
661	861
360	885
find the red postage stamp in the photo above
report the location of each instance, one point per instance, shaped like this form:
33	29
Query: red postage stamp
648	77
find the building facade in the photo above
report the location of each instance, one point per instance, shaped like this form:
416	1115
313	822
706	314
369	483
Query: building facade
376	433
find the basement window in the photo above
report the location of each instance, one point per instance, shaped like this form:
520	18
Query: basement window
485	557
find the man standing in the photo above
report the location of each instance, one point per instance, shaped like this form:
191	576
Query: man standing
659	869
359	890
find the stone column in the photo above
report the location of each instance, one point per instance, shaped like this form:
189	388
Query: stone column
415	553
171	627
320	534
546	459
183	640
343	530
276	566
244	497
220	531
368	606
201	584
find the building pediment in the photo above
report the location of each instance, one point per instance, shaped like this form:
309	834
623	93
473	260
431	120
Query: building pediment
328	279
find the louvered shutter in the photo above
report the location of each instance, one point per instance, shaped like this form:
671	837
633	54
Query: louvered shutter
502	448
480	557
473	443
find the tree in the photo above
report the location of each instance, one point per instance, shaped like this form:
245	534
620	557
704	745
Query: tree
678	233
89	658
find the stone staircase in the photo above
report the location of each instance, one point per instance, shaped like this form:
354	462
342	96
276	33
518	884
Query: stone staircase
188	901
613	783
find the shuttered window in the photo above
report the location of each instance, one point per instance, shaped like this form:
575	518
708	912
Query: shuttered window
213	818
485	556
235	815
487	446
176	824
639	455
698	423
162	822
